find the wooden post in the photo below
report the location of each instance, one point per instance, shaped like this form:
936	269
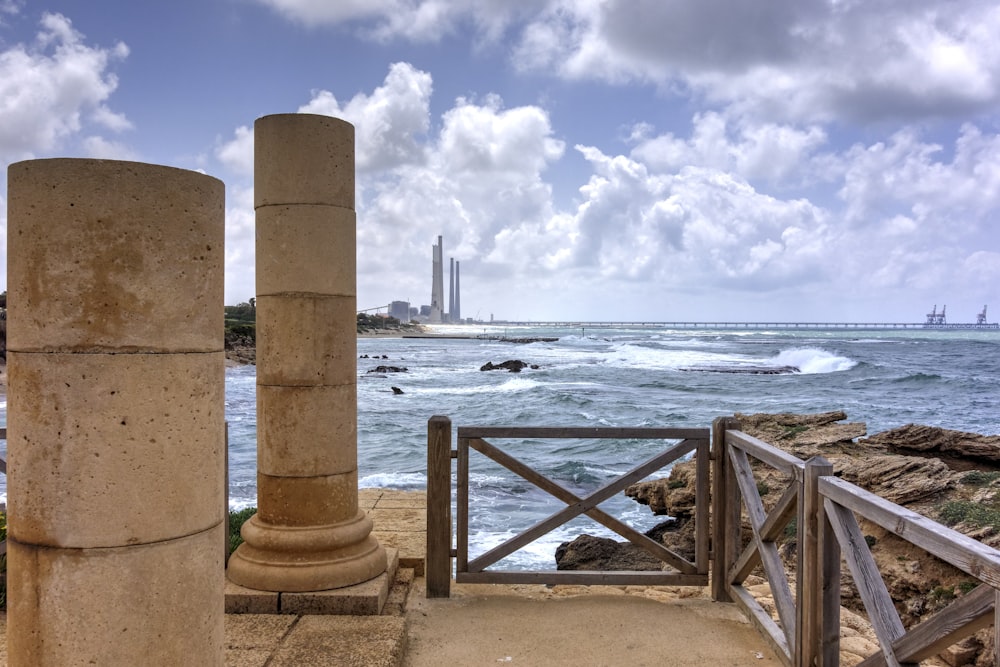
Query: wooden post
810	580
725	506
438	566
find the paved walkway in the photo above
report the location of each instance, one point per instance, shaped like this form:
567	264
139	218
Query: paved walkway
490	624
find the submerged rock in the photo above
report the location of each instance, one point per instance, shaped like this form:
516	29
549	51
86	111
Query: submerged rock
744	370
512	365
388	369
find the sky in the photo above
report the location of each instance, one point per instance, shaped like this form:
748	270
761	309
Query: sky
624	160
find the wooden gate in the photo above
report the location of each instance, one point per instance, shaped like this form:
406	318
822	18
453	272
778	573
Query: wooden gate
473	439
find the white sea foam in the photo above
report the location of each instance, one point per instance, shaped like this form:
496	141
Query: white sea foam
812	361
394	480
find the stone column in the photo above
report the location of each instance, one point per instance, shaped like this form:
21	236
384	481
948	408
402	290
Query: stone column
308	533
116	424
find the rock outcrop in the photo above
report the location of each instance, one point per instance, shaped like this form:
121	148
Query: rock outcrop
512	365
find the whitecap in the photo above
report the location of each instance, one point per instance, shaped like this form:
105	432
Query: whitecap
811	361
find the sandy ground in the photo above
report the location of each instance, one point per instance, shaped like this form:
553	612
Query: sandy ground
532	625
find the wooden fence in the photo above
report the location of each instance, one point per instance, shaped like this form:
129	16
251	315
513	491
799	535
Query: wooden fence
740	537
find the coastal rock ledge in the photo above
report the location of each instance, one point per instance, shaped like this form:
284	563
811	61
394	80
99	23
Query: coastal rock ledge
950	476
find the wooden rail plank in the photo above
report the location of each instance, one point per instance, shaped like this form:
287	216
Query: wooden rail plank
969	555
966	615
772	456
702	498
583	578
777	579
576	509
878	603
765	625
462	507
561	432
544	483
438	564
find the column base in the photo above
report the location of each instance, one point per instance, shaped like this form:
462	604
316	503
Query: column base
301	559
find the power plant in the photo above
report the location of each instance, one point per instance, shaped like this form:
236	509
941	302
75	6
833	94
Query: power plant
437	314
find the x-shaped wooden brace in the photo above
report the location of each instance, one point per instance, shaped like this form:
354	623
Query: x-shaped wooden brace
577	506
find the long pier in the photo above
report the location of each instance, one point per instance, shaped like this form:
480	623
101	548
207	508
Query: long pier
707	324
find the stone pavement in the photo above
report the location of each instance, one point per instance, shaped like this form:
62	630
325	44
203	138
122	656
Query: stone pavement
481	625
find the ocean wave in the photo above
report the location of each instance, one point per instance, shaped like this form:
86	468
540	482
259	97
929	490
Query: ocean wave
508	387
811	361
394	480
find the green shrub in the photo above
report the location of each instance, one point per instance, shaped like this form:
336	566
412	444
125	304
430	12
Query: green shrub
236	520
975	514
980	477
967	586
943	593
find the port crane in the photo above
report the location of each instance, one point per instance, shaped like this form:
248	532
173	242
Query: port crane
934	317
981	317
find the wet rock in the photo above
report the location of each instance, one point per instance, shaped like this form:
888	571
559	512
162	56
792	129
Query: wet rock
388	369
913	438
397	390
587	552
512	365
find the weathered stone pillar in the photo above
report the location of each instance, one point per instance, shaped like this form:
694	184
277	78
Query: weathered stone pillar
116	425
308	533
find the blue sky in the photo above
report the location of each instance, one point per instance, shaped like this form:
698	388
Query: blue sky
807	160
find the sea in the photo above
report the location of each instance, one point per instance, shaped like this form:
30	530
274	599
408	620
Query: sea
634	376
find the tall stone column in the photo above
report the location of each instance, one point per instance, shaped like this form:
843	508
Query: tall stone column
308	533
116	425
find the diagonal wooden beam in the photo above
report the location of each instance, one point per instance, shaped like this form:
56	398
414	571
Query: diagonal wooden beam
968	614
568	497
581	507
770	559
881	612
773	527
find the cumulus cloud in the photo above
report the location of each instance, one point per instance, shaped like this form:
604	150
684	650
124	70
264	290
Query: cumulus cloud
804	61
50	87
415	20
390	123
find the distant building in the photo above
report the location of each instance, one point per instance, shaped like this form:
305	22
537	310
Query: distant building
425	311
400	310
437	285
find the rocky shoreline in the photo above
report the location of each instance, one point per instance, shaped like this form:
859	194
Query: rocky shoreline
950	476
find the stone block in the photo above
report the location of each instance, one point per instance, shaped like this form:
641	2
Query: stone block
306	340
307	501
115	449
400	520
364	599
306	249
307	431
395	499
412	548
114	256
242	600
351	641
303	159
161	603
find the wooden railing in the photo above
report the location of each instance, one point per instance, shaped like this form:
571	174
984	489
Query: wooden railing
807	631
820	509
440	552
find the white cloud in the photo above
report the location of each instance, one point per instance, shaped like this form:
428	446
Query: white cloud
237	153
793	60
47	87
390	123
101	148
416	20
